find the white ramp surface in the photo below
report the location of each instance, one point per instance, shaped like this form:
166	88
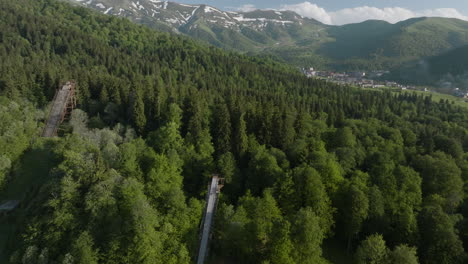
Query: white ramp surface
210	208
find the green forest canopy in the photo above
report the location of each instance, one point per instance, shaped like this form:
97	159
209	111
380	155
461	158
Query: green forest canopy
305	161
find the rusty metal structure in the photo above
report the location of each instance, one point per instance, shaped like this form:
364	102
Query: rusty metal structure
214	189
62	105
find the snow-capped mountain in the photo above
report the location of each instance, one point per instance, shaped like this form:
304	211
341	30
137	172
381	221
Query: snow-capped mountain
248	31
177	15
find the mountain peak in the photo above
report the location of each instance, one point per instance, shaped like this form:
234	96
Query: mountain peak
177	14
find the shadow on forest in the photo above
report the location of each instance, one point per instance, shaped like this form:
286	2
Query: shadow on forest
28	175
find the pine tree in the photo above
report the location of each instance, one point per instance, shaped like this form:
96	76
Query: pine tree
222	129
138	112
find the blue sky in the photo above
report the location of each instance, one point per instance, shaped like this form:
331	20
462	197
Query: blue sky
350	11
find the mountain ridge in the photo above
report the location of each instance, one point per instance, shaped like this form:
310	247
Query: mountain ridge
300	41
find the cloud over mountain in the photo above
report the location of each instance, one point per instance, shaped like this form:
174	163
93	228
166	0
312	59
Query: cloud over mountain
359	14
246	8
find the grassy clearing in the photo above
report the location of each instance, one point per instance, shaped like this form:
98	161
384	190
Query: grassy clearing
436	97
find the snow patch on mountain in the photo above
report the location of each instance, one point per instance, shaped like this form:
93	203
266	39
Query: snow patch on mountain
195	10
186	5
241	18
178	15
209	9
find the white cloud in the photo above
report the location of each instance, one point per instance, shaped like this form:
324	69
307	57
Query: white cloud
246	8
359	14
310	10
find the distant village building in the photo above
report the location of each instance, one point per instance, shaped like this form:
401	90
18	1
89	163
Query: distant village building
310	72
460	93
357	74
339	75
357	78
377	74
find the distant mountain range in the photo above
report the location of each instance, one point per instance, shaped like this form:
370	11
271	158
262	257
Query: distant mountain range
296	39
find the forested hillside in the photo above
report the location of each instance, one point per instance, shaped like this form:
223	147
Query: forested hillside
378	44
448	70
314	172
297	40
